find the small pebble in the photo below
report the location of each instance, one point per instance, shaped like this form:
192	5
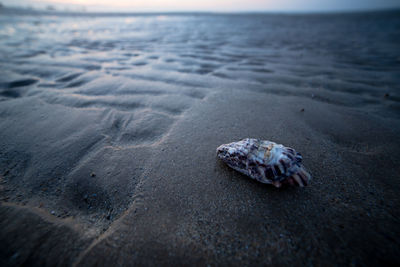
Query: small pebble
92	174
302	110
386	95
53	212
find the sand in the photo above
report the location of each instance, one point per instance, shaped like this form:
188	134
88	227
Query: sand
108	157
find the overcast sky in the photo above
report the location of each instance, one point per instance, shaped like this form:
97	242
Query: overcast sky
211	5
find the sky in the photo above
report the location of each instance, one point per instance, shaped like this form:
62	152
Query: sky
210	5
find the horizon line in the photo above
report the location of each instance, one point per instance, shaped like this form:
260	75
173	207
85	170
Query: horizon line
84	10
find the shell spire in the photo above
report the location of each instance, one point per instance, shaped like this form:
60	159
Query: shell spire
265	161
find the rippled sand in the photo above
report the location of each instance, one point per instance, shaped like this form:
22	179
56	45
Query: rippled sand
109	124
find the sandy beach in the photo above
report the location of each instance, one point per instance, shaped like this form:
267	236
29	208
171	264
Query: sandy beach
109	125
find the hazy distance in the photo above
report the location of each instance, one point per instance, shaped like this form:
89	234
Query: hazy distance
209	5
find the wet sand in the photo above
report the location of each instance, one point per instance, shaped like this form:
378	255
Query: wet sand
107	142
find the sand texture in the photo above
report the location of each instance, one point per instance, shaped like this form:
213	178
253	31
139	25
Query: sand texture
109	125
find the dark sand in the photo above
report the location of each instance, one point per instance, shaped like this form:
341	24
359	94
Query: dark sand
107	141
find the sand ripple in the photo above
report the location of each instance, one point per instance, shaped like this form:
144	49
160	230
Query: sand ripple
100	94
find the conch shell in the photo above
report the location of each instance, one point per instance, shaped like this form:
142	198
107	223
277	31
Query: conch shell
265	161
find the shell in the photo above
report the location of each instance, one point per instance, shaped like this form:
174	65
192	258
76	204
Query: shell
265	161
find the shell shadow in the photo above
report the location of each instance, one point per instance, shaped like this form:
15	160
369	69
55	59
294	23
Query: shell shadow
224	170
